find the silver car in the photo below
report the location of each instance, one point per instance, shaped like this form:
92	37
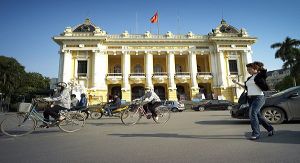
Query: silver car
174	106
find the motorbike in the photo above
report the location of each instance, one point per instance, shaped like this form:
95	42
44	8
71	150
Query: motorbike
100	111
83	110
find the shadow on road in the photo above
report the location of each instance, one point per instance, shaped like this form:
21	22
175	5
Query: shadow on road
224	122
118	124
168	135
280	136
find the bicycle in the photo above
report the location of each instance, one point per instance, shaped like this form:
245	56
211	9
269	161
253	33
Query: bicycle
135	112
26	120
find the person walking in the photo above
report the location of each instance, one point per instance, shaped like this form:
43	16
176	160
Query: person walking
255	85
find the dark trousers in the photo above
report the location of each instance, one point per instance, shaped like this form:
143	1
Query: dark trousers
53	112
151	106
256	103
110	108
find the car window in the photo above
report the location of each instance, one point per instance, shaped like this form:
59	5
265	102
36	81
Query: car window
214	102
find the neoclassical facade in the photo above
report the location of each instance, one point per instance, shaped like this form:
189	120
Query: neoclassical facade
175	66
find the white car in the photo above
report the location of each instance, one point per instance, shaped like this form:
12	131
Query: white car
174	106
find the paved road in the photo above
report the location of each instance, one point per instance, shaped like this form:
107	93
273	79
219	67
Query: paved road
210	136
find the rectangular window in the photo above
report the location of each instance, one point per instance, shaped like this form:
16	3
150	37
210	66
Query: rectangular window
233	67
82	68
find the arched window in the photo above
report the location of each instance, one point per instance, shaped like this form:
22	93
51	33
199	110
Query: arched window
178	68
138	68
137	92
157	68
117	69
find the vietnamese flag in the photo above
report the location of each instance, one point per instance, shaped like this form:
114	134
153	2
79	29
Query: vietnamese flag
154	18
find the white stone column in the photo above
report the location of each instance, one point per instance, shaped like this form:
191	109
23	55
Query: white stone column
149	69
61	65
214	68
100	70
171	70
96	62
67	63
222	71
247	58
126	70
193	69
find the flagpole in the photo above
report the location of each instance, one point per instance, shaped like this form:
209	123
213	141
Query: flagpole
157	27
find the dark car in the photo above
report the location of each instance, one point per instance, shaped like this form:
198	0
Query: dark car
279	107
213	105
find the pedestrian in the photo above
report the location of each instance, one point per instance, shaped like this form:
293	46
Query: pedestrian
255	85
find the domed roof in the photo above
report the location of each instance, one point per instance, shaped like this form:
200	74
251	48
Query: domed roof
87	26
226	28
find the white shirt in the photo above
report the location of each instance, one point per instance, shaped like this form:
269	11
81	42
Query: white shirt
252	88
150	96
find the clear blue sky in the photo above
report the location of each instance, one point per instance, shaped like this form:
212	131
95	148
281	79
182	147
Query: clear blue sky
27	26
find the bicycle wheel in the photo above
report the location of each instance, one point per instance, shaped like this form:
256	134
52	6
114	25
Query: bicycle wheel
18	125
96	115
131	116
73	122
163	115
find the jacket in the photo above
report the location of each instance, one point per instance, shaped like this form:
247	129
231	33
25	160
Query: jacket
260	80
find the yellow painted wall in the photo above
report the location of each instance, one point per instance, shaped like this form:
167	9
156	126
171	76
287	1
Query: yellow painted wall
204	63
134	60
183	61
114	60
160	60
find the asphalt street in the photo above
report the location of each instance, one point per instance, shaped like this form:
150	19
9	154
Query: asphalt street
210	136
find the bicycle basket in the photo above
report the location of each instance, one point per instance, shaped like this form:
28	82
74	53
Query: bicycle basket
25	107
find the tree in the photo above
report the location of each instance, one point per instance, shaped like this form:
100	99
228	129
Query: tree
15	80
289	54
11	75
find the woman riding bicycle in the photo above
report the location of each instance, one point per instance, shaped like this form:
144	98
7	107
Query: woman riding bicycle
61	101
152	101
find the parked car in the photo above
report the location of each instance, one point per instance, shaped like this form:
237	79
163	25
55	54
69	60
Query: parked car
189	104
174	106
214	105
277	108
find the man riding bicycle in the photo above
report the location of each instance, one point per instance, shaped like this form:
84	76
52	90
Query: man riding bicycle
61	101
152	101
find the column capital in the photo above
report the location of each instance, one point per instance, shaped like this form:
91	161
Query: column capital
66	51
170	52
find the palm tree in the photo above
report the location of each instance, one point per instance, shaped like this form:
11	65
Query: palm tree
288	53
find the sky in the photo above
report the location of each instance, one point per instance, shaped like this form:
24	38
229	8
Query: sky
27	26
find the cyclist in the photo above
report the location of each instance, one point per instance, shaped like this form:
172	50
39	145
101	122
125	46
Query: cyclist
115	104
152	101
61	101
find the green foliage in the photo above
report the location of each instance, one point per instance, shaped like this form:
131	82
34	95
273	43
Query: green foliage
14	79
288	51
286	83
11	75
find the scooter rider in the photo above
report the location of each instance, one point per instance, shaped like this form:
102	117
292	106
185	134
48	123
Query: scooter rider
61	101
115	104
152	101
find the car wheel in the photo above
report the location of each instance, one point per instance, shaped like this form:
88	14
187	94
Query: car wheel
273	115
201	108
174	110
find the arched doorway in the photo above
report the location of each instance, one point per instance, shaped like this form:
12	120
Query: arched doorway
137	92
116	90
160	91
181	94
